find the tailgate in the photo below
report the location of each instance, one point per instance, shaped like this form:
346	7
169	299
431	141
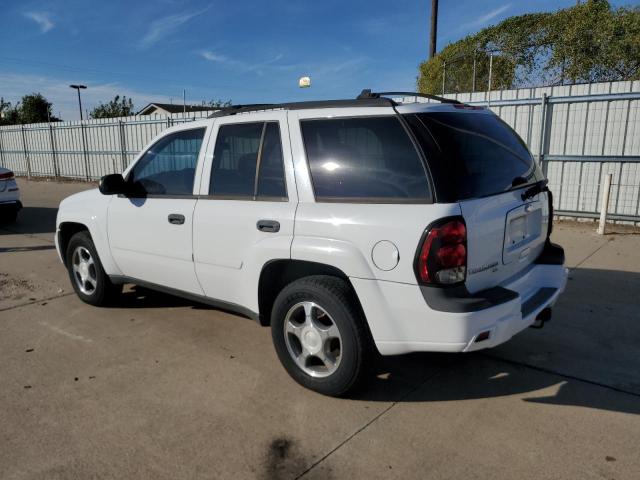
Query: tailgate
504	235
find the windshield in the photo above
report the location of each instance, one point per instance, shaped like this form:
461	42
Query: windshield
473	154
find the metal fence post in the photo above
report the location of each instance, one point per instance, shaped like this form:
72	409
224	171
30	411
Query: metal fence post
54	155
2	151
26	152
123	145
605	204
473	80
490	75
543	133
85	153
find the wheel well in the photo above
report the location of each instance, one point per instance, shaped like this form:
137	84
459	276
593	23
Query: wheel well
66	231
278	274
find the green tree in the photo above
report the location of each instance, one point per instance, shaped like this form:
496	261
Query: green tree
8	113
34	108
589	42
118	107
219	103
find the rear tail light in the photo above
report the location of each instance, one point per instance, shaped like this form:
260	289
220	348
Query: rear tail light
7	176
442	256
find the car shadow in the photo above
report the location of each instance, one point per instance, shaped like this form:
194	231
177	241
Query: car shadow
32	220
573	361
473	376
141	297
35	248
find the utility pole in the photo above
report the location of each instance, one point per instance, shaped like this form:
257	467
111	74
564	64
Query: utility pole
434	28
78	88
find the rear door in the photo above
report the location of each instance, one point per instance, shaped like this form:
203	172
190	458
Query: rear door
245	213
478	160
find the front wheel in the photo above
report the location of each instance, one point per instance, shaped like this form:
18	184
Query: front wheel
320	335
87	276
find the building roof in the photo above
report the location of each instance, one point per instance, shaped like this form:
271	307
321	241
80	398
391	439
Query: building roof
173	108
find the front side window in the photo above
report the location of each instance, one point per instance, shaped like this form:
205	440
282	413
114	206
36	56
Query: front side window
365	158
247	162
168	167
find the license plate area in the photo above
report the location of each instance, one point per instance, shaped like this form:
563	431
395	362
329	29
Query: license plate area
523	228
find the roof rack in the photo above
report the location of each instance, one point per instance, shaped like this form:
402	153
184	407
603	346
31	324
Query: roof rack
233	109
367	98
359	102
367	93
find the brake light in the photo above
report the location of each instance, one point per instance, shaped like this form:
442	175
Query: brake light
442	257
7	176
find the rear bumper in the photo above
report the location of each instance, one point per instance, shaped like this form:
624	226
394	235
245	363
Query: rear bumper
402	320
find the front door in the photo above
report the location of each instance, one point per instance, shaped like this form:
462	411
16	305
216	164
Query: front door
150	230
245	213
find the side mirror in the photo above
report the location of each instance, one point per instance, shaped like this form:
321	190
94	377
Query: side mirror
112	184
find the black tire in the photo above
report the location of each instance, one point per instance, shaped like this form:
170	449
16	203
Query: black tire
104	292
338	300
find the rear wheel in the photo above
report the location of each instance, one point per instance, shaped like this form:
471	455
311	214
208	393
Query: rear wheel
87	276
320	336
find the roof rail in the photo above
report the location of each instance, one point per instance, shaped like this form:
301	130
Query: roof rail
367	93
233	109
360	102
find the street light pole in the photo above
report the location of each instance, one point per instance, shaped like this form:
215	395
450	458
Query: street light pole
78	87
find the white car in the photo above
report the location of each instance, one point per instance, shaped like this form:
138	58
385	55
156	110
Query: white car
348	226
10	203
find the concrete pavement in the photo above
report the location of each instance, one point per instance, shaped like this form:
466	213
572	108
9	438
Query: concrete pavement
163	388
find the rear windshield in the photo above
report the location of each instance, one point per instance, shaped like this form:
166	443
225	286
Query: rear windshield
369	159
473	154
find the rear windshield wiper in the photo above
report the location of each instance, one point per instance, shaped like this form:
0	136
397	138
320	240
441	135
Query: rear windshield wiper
535	189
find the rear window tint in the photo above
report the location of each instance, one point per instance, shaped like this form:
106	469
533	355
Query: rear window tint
271	181
473	154
366	158
235	157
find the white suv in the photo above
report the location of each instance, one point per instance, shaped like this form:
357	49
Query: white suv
345	225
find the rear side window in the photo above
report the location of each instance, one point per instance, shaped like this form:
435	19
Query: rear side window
235	159
168	167
271	170
248	162
473	154
363	159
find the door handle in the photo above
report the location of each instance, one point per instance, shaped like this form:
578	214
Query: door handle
270	226
176	219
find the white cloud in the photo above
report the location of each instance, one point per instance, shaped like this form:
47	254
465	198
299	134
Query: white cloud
64	99
324	68
162	27
243	66
213	57
492	14
486	18
42	19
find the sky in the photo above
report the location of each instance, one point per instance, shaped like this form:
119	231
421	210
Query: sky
247	51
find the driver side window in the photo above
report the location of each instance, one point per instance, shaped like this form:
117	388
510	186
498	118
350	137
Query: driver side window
168	167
